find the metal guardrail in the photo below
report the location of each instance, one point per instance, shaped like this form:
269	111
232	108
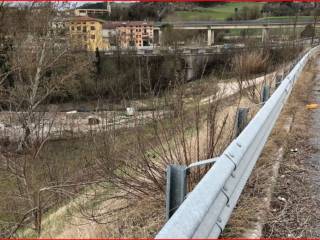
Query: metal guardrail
206	210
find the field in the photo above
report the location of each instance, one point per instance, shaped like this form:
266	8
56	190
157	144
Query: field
212	13
223	12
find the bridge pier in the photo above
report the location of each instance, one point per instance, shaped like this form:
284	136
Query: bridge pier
194	65
157	36
190	67
265	34
160	37
210	37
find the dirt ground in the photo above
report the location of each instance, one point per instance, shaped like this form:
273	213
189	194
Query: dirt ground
281	198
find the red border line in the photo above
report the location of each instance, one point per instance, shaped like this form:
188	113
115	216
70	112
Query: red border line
162	1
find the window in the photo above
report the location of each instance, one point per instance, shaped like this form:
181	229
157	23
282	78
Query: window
78	28
93	28
84	29
72	28
93	36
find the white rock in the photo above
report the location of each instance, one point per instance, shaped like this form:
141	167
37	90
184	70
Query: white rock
72	112
130	111
282	199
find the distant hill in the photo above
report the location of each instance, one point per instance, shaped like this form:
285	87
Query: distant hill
100	5
190	11
150	11
290	8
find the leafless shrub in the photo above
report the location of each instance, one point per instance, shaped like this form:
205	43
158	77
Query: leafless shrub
246	65
133	162
39	63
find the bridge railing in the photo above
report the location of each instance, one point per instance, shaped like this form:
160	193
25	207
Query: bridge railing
206	210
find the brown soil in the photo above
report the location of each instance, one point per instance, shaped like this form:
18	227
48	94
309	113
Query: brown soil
295	203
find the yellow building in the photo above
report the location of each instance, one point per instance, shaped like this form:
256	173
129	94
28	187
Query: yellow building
86	33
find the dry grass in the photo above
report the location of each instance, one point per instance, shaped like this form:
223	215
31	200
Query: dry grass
248	63
134	219
297	216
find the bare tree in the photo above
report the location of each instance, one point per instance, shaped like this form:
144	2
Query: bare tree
40	63
246	65
185	130
316	14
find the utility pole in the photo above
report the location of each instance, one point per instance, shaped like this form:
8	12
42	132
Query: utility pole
295	26
315	20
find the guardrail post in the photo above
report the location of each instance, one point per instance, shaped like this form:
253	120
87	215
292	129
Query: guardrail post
278	80
176	188
265	93
241	120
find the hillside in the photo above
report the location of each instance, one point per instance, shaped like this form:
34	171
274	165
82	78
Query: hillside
200	11
220	12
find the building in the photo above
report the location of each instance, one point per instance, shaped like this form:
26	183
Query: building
88	12
109	33
86	33
136	34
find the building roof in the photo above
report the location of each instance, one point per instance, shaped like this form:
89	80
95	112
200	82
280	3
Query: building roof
112	25
85	18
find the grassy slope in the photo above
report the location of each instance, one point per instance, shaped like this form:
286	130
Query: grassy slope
222	12
214	13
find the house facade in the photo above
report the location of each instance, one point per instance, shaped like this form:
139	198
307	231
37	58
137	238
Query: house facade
87	12
137	34
86	33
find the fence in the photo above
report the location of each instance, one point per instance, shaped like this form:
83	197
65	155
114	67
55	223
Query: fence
206	210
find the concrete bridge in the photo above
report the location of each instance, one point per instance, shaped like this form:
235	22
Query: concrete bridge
196	57
210	26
